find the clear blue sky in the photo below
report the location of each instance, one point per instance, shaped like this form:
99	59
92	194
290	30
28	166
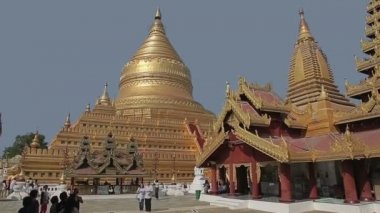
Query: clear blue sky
55	56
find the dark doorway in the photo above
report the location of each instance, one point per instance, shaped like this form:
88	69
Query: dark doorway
269	181
223	184
242	179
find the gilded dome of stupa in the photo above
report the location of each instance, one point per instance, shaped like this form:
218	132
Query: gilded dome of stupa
156	77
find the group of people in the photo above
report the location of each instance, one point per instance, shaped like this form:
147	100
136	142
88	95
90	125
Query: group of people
68	204
145	193
7	186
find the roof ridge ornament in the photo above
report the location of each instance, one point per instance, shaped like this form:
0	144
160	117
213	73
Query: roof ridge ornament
35	141
67	123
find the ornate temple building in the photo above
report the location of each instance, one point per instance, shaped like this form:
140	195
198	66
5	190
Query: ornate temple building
154	107
316	143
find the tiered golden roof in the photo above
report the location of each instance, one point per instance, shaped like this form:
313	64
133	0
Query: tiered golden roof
367	89
309	70
370	46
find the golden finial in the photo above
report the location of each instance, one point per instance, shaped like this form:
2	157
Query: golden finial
158	14
88	107
35	141
105	99
67	121
304	31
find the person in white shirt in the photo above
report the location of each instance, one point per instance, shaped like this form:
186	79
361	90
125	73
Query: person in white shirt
148	197
156	188
141	196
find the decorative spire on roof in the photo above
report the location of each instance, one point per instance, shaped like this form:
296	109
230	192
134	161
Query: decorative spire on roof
105	99
310	70
67	121
35	143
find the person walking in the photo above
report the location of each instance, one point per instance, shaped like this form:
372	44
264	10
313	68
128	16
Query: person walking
148	197
44	200
156	188
141	196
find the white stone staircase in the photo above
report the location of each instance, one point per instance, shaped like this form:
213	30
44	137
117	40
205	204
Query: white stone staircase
230	203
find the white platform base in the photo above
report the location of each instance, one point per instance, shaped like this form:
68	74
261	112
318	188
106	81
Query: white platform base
296	207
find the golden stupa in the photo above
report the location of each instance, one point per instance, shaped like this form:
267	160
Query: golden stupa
154	106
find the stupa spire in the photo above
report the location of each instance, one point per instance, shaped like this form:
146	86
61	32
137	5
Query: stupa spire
105	99
67	121
35	143
304	31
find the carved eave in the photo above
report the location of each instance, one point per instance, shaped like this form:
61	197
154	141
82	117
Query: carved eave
194	135
366	65
219	121
297	118
246	118
278	152
213	143
367	110
257	102
365	86
295	124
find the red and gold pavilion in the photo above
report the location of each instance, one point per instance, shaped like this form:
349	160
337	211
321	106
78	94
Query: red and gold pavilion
316	143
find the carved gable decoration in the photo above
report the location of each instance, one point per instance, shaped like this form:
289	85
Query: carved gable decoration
108	161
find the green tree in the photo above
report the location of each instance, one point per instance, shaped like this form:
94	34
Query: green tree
20	142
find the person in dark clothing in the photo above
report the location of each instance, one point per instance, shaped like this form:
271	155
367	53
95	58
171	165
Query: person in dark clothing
78	199
54	204
35	206
61	205
70	205
26	205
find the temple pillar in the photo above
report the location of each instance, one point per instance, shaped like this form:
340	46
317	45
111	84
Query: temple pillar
214	183
364	186
255	186
96	182
121	185
349	182
232	184
72	182
313	182
285	184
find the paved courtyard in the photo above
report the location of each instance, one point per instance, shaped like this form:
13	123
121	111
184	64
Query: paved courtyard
128	203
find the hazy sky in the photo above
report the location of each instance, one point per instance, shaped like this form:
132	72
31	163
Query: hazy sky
55	56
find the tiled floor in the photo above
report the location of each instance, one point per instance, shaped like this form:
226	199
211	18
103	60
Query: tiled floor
117	204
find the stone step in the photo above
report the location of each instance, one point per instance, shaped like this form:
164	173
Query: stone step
229	203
